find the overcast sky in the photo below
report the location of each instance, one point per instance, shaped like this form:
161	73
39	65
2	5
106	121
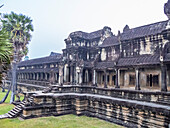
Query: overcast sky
53	20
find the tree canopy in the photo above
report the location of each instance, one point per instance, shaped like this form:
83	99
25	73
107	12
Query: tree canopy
19	28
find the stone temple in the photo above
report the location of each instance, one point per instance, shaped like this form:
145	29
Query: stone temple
123	78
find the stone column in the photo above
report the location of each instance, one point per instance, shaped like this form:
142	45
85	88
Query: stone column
76	74
42	77
163	76
87	76
96	78
105	82
81	76
60	80
94	74
65	73
76	78
72	74
46	76
117	78
137	87
52	77
31	76
28	76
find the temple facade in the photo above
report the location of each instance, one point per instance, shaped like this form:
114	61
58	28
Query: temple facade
137	58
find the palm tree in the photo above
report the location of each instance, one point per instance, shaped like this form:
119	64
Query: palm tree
19	28
5	58
5	53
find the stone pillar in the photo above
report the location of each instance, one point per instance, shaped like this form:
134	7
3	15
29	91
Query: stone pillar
65	73
87	76
76	76
42	77
137	87
61	75
105	82
94	78
77	79
52	77
72	75
46	76
31	76
163	76
117	78
81	76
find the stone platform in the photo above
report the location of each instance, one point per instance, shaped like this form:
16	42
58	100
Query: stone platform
124	107
127	112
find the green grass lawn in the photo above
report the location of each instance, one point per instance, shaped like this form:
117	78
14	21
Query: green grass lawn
5	107
2	94
66	121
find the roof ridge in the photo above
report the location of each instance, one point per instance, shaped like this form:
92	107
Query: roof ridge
148	25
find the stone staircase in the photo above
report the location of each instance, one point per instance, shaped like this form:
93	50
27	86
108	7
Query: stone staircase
17	110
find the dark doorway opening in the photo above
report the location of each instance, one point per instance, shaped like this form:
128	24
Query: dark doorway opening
90	77
132	80
114	79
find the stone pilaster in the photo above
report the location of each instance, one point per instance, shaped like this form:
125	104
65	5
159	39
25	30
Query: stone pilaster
137	87
94	76
117	78
163	76
105	82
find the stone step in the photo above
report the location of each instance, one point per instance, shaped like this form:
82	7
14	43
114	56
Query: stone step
3	116
11	113
17	109
22	104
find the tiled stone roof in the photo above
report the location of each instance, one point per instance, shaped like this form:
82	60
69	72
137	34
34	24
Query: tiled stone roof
38	70
43	60
142	31
110	41
103	65
139	60
88	64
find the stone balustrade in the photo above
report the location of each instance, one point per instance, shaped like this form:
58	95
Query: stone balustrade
149	96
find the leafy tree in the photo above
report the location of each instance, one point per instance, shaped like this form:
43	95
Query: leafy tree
19	28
